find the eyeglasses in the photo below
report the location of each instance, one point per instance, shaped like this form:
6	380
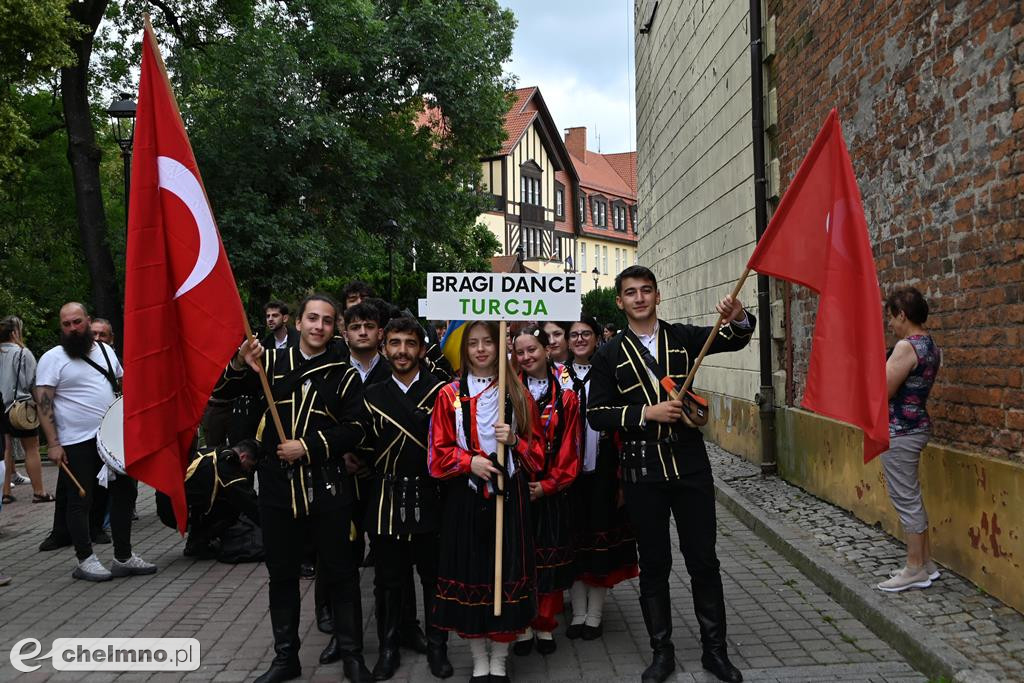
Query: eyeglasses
585	334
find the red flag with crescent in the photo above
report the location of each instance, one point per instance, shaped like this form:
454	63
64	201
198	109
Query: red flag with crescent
183	316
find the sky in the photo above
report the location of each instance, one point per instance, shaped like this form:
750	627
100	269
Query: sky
580	54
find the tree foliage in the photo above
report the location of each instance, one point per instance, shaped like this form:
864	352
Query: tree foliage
600	303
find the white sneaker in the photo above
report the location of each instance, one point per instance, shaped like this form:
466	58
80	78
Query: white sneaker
19	478
929	566
906	578
91	569
134	565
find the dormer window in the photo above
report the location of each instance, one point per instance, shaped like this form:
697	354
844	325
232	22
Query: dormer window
599	212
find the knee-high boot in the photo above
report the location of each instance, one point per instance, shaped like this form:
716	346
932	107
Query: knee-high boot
389	613
709	606
285	623
657	613
437	640
348	633
409	634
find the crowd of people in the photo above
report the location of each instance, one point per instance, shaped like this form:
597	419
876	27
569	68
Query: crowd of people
386	456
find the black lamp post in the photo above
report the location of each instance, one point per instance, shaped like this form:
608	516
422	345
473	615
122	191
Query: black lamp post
122	119
596	273
391	232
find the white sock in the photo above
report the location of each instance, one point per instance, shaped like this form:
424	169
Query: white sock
481	665
545	635
595	604
578	596
499	653
525	635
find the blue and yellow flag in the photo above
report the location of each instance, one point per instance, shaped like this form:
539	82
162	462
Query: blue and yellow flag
452	341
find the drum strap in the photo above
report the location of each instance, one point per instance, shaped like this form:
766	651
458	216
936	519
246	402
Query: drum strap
109	372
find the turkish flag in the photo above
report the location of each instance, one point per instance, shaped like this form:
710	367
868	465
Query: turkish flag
183	316
818	237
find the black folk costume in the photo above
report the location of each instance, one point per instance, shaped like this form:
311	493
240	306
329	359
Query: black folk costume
462	426
217	492
320	401
604	544
665	470
403	513
552	515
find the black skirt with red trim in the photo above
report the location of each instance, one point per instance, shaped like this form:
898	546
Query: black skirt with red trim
465	578
605	546
553	535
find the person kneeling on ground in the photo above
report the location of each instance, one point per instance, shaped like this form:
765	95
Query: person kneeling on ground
218	490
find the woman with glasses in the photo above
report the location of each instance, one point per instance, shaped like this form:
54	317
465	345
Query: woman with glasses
605	545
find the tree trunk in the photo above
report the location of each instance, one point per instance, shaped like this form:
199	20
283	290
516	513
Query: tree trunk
84	157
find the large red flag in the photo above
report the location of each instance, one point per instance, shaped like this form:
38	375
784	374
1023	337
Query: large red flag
818	237
183	316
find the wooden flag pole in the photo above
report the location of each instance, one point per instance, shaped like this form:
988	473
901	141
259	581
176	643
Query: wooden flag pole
711	338
265	383
499	485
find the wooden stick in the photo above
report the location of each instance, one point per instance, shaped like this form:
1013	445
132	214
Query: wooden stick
266	384
711	338
67	471
499	508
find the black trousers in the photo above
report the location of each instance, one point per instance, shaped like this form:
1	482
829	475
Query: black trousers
395	558
691	500
284	545
84	462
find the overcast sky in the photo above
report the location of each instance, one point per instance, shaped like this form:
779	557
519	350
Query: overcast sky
580	53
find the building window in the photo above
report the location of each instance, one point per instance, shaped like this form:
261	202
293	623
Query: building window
597	257
605	250
556	243
619	217
618	260
559	201
529	186
583	208
583	257
599	210
632	217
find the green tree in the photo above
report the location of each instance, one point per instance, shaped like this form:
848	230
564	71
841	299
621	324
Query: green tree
600	303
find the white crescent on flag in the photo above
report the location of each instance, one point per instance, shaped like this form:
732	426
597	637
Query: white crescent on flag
179	181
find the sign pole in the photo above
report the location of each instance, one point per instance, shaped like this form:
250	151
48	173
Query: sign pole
499	485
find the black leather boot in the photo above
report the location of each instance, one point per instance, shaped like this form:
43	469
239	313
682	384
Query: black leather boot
709	606
285	667
658	618
348	632
331	653
437	641
410	636
389	607
324	620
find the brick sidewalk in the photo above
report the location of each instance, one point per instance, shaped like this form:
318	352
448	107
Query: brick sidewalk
979	628
781	628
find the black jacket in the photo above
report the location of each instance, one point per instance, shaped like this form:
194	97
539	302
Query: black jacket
269	342
620	387
396	449
326	415
217	478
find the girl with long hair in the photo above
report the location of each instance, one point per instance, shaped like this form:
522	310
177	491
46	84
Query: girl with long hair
465	428
17	379
605	544
559	416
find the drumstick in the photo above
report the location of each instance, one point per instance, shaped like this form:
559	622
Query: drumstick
67	471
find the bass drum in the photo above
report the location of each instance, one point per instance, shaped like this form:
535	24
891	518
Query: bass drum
110	437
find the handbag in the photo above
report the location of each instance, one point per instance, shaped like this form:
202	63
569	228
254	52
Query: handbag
22	413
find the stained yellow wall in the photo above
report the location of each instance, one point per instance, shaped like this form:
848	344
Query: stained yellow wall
975	504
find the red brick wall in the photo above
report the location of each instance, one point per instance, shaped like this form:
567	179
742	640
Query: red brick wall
931	98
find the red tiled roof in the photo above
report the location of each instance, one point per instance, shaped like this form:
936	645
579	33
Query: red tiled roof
508	264
623	163
518	118
597	173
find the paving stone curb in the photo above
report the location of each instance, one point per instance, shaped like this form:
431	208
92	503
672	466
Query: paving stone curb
923	650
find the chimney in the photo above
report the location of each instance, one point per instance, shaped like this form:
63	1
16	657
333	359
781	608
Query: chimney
576	142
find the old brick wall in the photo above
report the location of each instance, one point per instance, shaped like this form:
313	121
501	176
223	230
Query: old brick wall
931	97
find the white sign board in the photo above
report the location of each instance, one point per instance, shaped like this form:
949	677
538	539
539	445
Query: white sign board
501	296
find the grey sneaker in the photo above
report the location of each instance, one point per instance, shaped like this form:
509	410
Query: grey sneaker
134	565
906	578
929	566
91	569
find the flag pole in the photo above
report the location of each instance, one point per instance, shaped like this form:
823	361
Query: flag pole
499	502
711	338
263	380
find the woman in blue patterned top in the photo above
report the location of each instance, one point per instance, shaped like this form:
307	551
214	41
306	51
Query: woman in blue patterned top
910	373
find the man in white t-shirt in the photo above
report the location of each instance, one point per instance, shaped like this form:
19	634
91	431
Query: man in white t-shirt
76	383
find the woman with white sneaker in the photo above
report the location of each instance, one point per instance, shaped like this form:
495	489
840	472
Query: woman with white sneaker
909	373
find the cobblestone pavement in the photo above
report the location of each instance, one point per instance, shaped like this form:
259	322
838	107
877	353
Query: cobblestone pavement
781	626
981	628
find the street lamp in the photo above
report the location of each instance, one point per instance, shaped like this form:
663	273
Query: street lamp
122	118
391	233
596	273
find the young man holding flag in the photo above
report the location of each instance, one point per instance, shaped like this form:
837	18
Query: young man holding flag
664	464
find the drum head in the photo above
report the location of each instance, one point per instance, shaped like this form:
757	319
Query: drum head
110	438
